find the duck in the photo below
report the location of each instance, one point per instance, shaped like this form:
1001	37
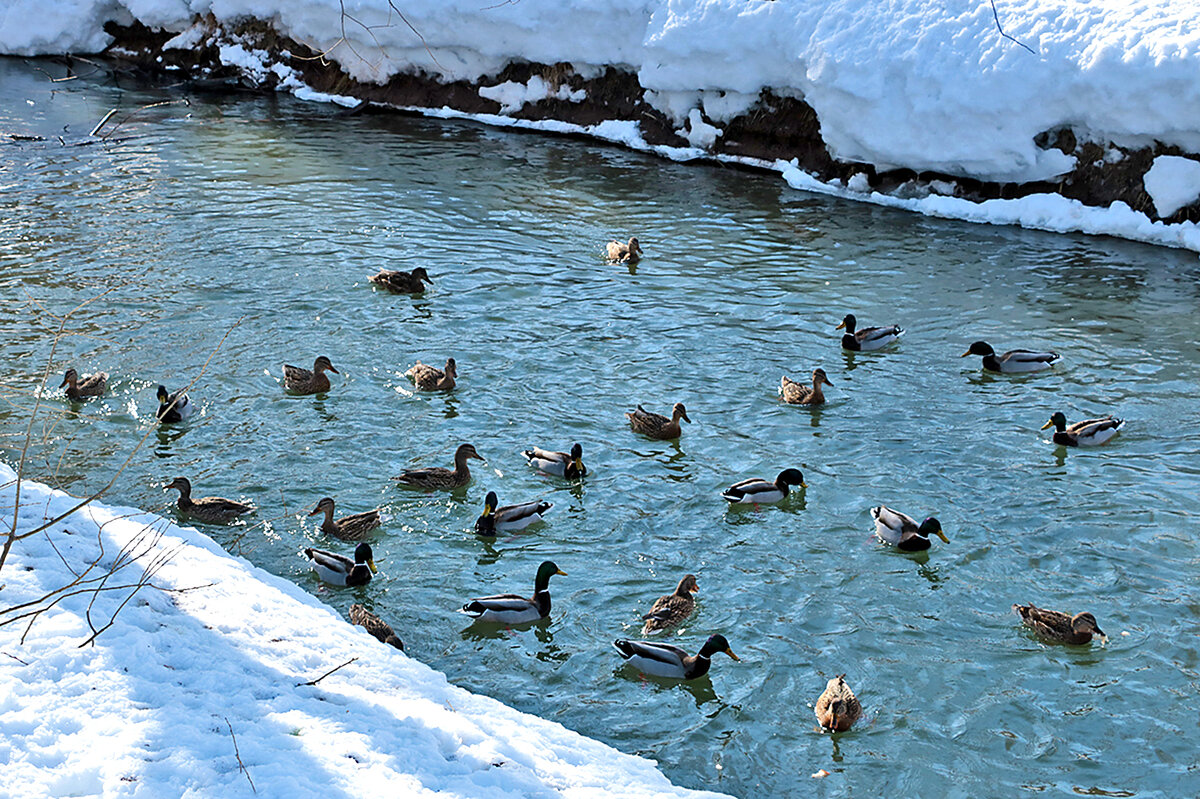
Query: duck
214	510
564	464
837	707
513	608
671	610
510	517
664	660
1057	627
756	491
869	338
430	378
901	531
1013	361
1088	433
441	477
655	426
402	282
90	386
348	528
625	253
375	626
172	406
341	570
795	393
301	381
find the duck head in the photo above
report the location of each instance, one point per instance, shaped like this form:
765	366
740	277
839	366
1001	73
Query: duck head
547	570
679	412
325	505
849	323
792	477
420	274
932	526
1058	421
70	378
979	348
364	554
1086	623
323	364
714	644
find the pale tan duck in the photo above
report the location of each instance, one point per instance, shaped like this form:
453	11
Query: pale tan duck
214	510
90	386
795	393
430	378
656	426
837	707
625	253
402	282
375	626
1058	627
673	609
355	527
441	477
301	381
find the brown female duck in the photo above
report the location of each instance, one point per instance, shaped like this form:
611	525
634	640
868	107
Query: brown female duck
672	609
90	386
837	707
624	253
1058	627
348	528
795	393
430	378
402	282
302	381
214	510
441	477
656	426
375	626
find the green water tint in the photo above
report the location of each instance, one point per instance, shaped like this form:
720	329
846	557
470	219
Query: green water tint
275	213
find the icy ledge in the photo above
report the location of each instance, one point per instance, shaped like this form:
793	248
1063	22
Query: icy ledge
148	710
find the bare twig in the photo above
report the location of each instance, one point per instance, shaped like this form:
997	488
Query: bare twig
1005	35
238	755
102	122
14	657
326	674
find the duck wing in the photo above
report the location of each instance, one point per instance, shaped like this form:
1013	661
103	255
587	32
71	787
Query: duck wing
746	490
665	654
668	611
293	374
526	512
93	385
356	526
331	561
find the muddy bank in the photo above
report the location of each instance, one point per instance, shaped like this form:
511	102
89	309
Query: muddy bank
252	55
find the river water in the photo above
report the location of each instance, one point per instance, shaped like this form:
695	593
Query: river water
257	220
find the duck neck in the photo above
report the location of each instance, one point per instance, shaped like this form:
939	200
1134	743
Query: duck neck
697	666
328	525
185	496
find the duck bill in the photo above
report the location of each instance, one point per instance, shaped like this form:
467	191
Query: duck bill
833	721
827	381
560	571
314	511
579	464
64	382
840	326
371	566
942	536
685	418
730	653
1048	424
1102	634
335	371
965	354
803	484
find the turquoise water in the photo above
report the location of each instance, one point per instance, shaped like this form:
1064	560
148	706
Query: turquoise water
258	219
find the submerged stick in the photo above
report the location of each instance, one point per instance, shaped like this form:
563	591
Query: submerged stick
102	122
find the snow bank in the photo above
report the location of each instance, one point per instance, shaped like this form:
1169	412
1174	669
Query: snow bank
920	84
148	710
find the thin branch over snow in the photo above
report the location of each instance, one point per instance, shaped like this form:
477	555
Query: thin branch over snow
1005	35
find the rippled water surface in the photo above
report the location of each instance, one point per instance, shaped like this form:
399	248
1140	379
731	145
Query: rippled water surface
258	219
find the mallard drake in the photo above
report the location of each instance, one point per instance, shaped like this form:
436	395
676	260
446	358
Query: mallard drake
837	707
1014	360
514	608
901	531
664	660
375	626
795	393
440	477
757	491
656	426
1088	433
671	610
1057	626
302	381
869	338
402	282
90	386
172	406
341	570
430	378
510	517
214	510
568	465
348	528
625	253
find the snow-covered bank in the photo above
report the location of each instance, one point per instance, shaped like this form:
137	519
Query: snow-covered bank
153	707
911	104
